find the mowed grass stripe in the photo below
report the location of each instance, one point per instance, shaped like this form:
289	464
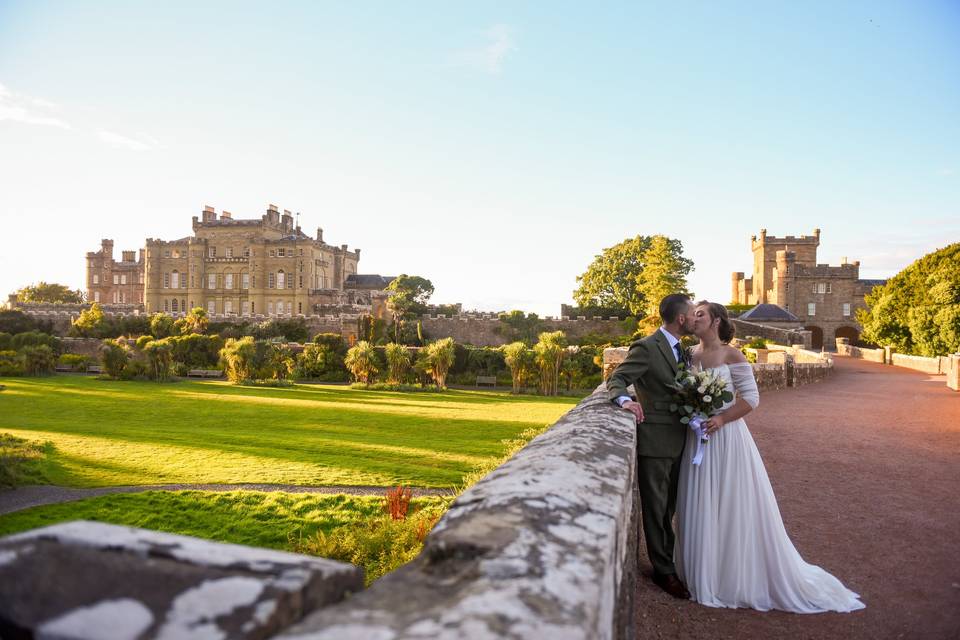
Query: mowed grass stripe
110	433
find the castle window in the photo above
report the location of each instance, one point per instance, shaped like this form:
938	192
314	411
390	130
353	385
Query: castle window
211	307
289	308
269	308
246	252
846	309
281	252
272	253
270	280
281	279
245	307
183	304
166	280
191	281
290	282
301	253
829	287
166	305
244	280
174	306
140	278
211	281
211	252
96	278
228	281
299	307
228	306
300	284
166	253
140	297
96	296
116	279
811	308
123	279
229	252
116	296
175	280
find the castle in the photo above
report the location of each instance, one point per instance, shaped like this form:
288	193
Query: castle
263	266
823	298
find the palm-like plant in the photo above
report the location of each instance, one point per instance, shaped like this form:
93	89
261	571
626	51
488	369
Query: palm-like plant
440	355
160	356
361	361
398	362
549	356
196	321
520	360
238	359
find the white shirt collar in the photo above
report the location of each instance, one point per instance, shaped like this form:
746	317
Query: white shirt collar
673	341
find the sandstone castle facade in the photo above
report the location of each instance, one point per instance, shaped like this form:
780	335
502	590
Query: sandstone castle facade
263	266
824	298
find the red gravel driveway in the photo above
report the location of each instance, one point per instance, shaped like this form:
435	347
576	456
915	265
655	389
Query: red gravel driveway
866	469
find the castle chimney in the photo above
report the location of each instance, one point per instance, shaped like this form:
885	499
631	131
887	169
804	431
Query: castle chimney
140	253
287	220
209	214
128	256
106	247
816	233
319	234
226	215
763	234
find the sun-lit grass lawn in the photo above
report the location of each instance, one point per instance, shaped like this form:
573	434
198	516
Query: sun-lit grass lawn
107	433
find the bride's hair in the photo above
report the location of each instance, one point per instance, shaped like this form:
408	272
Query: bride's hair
725	330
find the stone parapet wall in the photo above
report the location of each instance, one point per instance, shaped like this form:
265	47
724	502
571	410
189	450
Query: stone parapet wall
917	363
483	329
543	547
844	348
770	376
953	372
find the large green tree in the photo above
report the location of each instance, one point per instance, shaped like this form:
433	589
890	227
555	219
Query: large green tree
619	277
408	295
918	310
49	292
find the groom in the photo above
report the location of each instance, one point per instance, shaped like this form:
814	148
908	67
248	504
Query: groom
650	367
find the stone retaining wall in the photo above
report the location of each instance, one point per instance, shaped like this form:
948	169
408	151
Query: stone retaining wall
776	334
844	348
917	363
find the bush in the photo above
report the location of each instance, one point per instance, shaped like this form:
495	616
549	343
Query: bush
20	460
135	370
159	358
6	341
317	361
143	340
520	359
292	329
398	362
75	361
439	357
388	386
36	338
246	359
38	360
114	355
10	363
162	325
757	343
333	341
180	370
197	351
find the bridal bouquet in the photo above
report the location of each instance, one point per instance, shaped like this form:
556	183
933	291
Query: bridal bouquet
699	394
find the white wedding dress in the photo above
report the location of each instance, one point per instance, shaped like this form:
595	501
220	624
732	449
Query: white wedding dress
732	549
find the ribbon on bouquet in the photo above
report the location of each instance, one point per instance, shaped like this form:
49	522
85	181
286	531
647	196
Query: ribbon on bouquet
696	424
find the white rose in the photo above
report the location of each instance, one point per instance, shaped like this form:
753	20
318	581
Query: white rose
707	398
701	389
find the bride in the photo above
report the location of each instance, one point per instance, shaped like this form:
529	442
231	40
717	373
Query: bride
732	549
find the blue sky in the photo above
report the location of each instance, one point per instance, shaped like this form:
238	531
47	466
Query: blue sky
494	148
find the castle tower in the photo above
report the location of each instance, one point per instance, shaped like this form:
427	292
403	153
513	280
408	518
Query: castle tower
765	250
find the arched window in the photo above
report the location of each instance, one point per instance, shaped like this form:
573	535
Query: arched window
174	306
228	281
281	279
228	306
175	279
269	308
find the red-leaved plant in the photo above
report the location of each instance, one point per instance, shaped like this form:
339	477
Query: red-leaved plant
397	502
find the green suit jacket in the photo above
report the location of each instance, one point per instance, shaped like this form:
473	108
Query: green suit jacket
650	367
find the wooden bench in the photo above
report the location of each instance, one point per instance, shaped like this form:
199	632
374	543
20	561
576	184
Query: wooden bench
487	380
204	373
63	368
94	368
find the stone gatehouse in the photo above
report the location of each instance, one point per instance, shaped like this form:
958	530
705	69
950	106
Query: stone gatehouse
823	297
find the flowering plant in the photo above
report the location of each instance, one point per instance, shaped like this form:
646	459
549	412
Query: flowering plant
698	395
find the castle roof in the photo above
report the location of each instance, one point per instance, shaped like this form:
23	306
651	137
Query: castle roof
768	312
367	281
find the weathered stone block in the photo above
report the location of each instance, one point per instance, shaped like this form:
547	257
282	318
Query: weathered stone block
92	580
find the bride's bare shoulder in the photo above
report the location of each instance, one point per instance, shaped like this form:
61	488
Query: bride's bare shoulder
733	356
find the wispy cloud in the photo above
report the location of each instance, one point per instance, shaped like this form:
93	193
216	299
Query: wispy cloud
948	171
489	58
141	142
24	109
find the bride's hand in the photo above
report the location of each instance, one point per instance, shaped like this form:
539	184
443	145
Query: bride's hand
713	424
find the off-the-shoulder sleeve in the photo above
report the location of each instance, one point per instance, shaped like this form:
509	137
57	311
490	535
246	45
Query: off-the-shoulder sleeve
743	381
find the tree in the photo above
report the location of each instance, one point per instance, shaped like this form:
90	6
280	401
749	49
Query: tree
665	271
114	355
49	292
549	351
14	322
440	355
38	360
238	358
517	325
520	360
361	361
398	362
90	323
160	357
614	278
196	321
918	310
407	295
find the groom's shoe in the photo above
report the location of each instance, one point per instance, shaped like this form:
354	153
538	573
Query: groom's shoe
670	583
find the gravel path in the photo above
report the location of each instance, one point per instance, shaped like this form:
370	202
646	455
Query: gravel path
25	497
866	468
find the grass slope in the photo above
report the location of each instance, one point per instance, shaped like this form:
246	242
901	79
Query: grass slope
103	433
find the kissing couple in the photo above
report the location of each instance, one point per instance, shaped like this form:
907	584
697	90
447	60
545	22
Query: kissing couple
730	548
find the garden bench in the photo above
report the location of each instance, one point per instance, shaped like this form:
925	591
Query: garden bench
63	368
489	380
204	373
94	368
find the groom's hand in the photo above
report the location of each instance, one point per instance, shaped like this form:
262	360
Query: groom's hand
635	409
